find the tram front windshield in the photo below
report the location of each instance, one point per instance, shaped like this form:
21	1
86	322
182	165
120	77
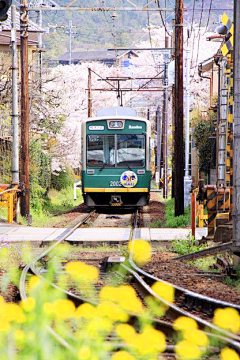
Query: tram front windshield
116	151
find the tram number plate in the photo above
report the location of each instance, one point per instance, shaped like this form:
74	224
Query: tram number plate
115	183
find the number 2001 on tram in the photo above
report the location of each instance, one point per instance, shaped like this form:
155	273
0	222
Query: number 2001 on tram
116	159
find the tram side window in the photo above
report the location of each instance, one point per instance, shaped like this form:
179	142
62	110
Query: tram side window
100	151
130	150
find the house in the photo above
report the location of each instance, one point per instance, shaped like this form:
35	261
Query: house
208	69
33	35
121	58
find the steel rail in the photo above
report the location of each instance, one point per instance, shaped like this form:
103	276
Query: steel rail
228	337
205	252
32	266
60	239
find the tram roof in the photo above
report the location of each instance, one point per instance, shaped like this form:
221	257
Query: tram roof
117	111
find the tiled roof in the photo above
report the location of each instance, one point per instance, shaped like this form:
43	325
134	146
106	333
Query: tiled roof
97	55
32	26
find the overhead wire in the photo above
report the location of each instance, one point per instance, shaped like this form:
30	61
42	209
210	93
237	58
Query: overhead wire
163	22
199	34
193	12
150	37
209	14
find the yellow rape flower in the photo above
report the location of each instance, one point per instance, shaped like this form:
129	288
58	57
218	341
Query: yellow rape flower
109	293
33	282
124	295
125	331
4	326
197	337
84	353
186	350
28	304
141	251
155	340
112	311
64	308
13	312
229	354
228	319
150	341
19	335
163	290
85	310
122	355
82	272
99	326
185	323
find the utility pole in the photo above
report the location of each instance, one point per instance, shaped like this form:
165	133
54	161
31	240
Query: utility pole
24	180
70	41
187	179
178	141
40	45
159	145
89	92
173	115
15	152
236	142
165	125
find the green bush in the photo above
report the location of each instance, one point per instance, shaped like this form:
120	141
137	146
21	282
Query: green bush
37	199
62	179
40	176
179	221
40	166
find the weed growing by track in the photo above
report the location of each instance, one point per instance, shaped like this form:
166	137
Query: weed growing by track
56	204
170	221
186	246
235	282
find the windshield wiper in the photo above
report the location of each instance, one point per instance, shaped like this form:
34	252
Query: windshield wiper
129	167
103	167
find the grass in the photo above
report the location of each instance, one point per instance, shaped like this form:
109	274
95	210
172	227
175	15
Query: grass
186	246
170	221
234	282
99	248
205	263
59	203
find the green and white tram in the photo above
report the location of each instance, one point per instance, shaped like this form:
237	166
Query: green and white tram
116	159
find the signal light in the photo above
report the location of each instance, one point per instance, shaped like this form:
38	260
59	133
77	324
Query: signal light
4	6
221	29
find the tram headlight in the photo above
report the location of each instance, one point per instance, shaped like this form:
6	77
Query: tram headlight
116	124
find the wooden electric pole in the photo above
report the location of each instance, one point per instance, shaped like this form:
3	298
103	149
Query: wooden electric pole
178	141
165	125
89	92
173	117
24	179
236	142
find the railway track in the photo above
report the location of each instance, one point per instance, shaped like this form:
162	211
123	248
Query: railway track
142	282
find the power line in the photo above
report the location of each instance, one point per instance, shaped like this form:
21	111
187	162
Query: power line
199	32
150	37
194	3
209	13
160	12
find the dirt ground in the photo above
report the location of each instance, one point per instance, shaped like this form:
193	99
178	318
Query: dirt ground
187	276
154	211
